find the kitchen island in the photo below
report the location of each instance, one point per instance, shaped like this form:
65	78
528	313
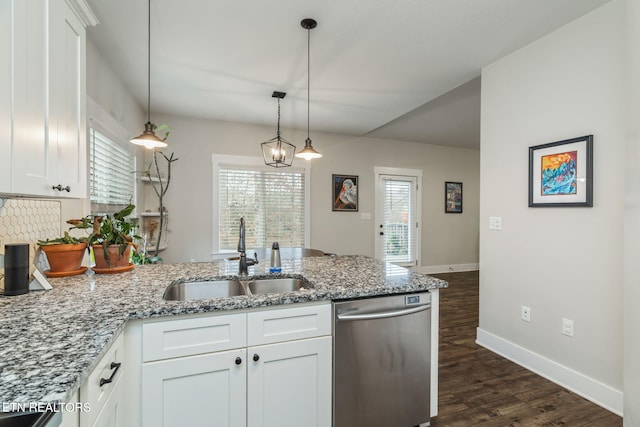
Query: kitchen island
50	341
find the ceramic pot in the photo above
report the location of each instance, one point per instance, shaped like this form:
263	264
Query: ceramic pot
66	257
115	260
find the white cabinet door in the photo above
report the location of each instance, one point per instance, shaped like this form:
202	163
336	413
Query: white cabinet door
47	120
203	390
289	385
103	390
113	414
6	12
31	153
67	107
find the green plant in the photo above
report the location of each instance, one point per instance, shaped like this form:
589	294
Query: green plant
140	258
68	239
113	229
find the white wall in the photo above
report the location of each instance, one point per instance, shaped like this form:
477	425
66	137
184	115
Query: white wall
561	262
108	91
632	223
447	239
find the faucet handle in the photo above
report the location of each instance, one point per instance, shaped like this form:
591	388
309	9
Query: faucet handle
253	261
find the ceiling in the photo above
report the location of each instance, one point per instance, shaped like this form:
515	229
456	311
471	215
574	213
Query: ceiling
405	70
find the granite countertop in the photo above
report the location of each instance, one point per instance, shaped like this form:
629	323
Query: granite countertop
51	340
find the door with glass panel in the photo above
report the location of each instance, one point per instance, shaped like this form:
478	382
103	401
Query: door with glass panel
397	217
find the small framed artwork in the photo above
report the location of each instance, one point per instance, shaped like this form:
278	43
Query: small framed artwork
452	197
345	193
561	173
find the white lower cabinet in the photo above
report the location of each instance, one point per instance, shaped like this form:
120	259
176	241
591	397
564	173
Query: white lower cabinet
204	390
104	391
289	385
279	376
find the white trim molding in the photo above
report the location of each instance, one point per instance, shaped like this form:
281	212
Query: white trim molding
84	12
593	390
449	268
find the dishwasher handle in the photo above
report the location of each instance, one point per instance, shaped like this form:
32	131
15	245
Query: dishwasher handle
383	314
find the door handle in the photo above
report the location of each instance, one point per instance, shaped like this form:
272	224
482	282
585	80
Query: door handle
383	314
115	366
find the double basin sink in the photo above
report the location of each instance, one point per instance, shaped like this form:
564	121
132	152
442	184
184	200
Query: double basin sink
232	288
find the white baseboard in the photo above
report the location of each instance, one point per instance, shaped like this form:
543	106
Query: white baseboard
595	391
451	268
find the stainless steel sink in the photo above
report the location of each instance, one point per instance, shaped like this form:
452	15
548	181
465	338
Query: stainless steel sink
203	290
231	288
275	286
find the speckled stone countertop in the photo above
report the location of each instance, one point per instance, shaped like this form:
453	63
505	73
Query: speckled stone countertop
51	340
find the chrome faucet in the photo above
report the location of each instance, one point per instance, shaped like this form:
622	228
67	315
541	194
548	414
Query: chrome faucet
244	262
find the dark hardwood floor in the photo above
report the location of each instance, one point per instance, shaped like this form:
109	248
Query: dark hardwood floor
480	388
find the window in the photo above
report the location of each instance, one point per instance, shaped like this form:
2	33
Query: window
397	214
111	171
272	201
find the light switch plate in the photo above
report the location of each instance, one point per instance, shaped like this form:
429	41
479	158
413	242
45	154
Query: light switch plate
495	223
567	327
365	215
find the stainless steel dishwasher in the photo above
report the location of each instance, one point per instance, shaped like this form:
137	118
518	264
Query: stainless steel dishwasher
381	361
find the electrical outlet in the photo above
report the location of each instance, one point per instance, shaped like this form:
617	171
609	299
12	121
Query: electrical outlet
526	313
495	223
567	327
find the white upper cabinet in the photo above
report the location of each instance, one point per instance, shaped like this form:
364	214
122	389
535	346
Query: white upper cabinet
44	130
5	96
67	121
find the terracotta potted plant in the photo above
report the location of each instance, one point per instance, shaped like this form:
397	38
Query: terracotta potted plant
111	241
65	253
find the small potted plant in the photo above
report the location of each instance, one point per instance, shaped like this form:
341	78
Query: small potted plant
111	240
65	253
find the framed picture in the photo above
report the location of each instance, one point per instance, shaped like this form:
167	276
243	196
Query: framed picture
561	173
452	197
345	193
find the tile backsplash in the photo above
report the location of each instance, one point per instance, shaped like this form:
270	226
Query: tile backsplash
27	221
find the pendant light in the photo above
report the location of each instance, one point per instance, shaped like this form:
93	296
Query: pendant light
148	138
308	152
278	152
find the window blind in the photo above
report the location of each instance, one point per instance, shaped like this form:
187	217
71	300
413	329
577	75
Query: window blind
271	202
111	177
399	216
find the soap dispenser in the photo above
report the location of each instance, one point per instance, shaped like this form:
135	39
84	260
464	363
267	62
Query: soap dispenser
275	258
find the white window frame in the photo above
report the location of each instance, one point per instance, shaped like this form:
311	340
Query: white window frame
255	163
104	123
417	173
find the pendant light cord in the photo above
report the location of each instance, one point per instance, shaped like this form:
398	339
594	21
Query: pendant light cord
149	65
308	77
278	120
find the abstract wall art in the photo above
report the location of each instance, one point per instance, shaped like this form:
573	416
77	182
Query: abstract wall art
561	173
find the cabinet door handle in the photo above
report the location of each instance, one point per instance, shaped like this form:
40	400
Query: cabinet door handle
256	357
61	188
238	360
115	366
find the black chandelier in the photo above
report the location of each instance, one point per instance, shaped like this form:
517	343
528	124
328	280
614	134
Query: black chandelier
278	152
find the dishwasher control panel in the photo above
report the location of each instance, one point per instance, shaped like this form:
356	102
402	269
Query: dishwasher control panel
412	300
417	299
